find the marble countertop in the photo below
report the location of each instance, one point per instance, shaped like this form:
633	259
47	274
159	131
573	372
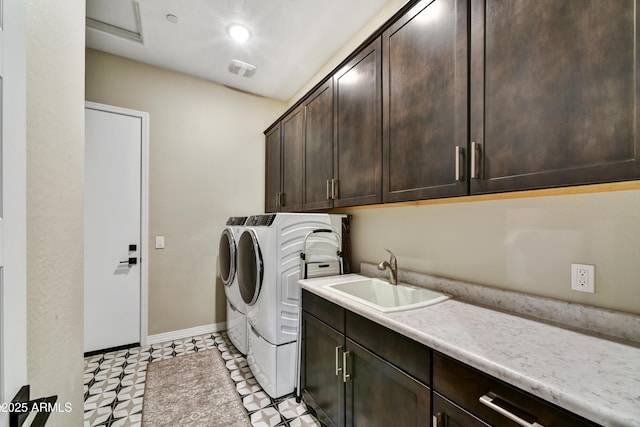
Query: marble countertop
596	378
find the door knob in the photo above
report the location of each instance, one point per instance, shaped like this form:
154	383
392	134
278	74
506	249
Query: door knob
129	262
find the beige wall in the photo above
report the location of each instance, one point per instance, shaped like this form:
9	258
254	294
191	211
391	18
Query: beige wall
55	161
378	20
199	132
523	244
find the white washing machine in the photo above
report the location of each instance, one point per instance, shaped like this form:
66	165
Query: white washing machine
236	308
268	272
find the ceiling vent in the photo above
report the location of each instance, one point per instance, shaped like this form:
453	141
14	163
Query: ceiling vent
242	68
121	19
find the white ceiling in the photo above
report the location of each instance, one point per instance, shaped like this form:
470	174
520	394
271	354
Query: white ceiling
291	39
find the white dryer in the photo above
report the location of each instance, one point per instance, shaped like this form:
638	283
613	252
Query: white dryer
268	272
236	308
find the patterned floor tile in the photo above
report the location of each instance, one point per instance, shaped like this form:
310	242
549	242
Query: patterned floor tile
256	401
289	408
114	384
305	421
268	417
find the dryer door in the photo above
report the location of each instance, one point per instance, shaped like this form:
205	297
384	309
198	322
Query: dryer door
250	267
227	257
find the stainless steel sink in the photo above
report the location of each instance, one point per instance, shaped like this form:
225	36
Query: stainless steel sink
385	297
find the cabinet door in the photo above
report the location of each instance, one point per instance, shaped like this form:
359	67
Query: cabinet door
553	93
448	414
320	375
318	148
379	394
272	169
292	146
425	89
358	129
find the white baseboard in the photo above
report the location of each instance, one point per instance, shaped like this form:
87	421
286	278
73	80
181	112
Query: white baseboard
185	333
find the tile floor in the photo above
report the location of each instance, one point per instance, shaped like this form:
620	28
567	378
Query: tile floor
114	385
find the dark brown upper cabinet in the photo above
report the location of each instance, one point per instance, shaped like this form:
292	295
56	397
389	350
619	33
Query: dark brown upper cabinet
425	91
554	93
318	148
283	163
358	129
273	178
292	147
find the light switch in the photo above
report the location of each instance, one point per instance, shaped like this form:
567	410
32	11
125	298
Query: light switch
159	242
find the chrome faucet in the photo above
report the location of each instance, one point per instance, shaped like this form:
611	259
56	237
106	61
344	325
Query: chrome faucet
392	265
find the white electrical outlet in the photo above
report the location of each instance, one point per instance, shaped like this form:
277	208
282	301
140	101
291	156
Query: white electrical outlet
583	278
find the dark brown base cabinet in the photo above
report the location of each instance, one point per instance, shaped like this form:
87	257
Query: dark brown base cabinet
466	387
322	384
448	414
355	372
350	385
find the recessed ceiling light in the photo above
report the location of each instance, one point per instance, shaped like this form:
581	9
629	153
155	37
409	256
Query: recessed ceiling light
172	18
239	33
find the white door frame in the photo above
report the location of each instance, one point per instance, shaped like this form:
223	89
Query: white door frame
144	209
13	298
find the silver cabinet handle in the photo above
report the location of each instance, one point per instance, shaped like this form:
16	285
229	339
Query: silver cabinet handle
345	377
487	400
338	368
278	199
329	181
474	160
457	159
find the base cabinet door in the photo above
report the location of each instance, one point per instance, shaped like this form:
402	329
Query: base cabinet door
554	93
321	370
379	394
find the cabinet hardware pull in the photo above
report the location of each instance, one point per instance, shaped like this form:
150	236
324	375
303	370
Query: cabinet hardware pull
487	400
458	157
277	199
437	420
345	377
338	368
328	189
334	189
474	159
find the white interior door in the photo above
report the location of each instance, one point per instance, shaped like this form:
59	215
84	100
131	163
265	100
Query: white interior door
13	237
112	289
